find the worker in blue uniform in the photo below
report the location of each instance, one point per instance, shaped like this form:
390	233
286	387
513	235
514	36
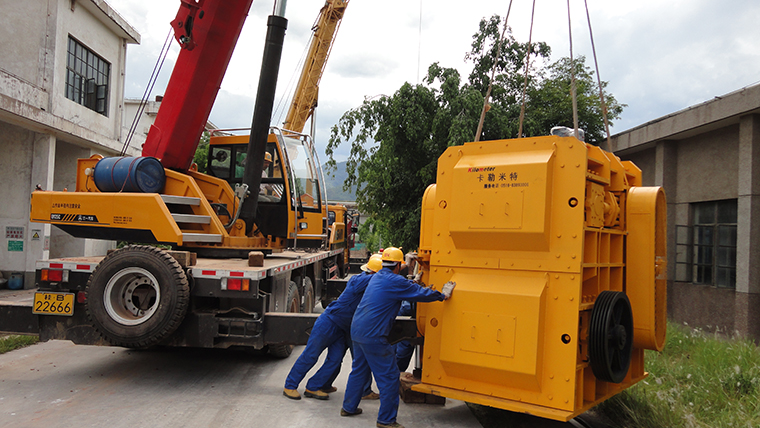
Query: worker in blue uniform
372	323
405	348
331	331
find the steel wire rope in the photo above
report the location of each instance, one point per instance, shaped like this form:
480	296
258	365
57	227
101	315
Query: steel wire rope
599	80
419	44
493	73
289	90
527	64
572	74
148	89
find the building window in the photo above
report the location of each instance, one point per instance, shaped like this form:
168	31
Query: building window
714	243
87	77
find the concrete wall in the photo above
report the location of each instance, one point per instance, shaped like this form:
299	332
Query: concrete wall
21	54
93	34
15	168
708	166
708	152
41	132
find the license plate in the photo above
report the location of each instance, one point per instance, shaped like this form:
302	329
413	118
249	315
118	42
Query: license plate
53	304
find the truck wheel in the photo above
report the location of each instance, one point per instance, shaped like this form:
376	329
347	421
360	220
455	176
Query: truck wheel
137	296
292	304
308	296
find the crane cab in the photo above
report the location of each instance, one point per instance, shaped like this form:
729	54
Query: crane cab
291	197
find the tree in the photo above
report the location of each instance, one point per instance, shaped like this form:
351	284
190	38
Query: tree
395	141
552	106
201	153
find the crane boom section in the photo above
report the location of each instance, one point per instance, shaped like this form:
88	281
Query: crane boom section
305	98
207	31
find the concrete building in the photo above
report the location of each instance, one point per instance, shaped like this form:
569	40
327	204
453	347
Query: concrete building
707	157
145	112
132	107
61	89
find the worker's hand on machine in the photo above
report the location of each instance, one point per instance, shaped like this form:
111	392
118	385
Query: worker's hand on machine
418	278
448	288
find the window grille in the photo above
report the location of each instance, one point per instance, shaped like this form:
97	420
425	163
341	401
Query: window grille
714	243
87	77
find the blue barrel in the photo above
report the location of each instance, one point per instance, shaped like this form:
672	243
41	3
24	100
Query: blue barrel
130	174
16	281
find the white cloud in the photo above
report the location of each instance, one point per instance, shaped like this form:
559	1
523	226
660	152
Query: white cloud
658	57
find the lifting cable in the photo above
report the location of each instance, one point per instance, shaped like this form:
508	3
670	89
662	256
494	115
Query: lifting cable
287	94
419	45
599	80
573	92
148	90
573	87
527	63
493	73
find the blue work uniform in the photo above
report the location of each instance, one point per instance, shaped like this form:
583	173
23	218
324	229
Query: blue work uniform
373	355
404	349
331	331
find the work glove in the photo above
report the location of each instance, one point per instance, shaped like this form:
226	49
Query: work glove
448	288
418	277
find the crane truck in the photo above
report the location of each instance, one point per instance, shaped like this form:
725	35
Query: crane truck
239	256
557	250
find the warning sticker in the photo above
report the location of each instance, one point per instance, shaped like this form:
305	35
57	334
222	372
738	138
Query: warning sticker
14	232
74	218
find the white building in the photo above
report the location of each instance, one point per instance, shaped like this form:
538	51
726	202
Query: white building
61	98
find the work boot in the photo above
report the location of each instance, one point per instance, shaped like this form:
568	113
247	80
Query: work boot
319	395
329	389
344	412
291	393
390	425
371	396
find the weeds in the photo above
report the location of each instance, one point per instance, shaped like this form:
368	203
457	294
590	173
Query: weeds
699	380
9	343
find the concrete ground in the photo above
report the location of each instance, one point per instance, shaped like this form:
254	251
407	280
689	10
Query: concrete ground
58	384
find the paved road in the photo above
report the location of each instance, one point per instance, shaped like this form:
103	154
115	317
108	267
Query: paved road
57	384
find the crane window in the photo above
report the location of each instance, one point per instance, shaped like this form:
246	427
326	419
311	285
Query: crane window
87	76
306	173
220	162
272	186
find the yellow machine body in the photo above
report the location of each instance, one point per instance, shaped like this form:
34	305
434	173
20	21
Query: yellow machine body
532	231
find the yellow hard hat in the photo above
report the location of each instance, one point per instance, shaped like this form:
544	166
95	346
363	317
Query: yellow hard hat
393	254
374	264
267	157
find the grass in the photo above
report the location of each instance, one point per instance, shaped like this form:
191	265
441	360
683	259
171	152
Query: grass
9	343
699	380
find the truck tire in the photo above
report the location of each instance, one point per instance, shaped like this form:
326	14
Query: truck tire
292	304
137	296
308	296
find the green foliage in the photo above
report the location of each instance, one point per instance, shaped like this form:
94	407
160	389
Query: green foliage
9	343
699	380
551	106
396	140
201	153
369	234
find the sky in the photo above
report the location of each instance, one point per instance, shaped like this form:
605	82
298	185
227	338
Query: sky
658	56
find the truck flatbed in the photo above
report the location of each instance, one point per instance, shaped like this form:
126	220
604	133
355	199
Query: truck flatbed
212	268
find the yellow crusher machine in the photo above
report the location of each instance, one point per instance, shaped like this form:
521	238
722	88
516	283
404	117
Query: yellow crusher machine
559	256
